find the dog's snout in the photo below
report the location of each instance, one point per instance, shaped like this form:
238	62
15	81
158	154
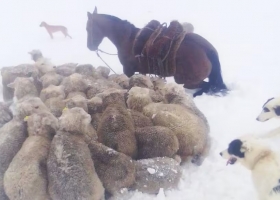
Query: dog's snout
257	119
221	153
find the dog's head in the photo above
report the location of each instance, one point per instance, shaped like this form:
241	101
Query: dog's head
271	109
246	150
42	24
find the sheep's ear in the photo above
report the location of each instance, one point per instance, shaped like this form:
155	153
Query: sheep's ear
11	85
95	10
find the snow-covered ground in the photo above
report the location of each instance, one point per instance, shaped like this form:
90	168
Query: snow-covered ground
245	33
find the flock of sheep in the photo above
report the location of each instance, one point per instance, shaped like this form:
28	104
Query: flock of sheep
76	132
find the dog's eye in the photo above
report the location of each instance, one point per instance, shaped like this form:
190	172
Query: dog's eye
265	109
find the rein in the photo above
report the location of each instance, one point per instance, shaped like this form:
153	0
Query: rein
103	60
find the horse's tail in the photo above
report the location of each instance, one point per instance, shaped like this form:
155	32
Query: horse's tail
216	83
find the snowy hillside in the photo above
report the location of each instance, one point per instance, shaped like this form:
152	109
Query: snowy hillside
245	34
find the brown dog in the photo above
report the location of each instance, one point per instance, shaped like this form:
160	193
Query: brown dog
52	29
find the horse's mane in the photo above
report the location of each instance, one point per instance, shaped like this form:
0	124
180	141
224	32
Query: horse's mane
116	19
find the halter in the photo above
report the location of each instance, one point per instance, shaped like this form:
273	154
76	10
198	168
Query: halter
103	60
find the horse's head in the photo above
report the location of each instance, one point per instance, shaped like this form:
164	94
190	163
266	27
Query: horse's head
94	33
42	24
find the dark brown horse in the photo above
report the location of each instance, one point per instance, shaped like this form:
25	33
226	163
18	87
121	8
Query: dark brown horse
196	59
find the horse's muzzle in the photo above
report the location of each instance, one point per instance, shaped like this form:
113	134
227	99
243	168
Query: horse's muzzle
92	48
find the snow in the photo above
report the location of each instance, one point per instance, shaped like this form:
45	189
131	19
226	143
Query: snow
245	33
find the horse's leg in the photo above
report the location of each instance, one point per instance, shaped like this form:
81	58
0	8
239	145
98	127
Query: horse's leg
216	83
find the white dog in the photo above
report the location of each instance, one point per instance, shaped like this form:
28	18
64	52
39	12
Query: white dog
270	109
261	160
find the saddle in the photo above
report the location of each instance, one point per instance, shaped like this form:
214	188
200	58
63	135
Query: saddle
156	45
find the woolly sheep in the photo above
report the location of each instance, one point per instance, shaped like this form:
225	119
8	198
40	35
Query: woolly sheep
101	85
27	172
12	136
29	164
113	97
115	170
95	105
86	70
140	80
121	79
139	119
27	106
116	130
55	105
72	94
23	87
155	173
51	78
43	65
9	74
77	121
51	92
103	71
66	69
138	98
156	141
71	172
42	124
77	101
74	83
6	114
191	130
175	94
95	120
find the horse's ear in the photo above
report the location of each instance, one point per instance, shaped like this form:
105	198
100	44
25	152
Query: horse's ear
95	10
88	15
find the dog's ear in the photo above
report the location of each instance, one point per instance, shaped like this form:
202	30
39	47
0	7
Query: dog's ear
277	110
95	10
246	147
89	15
